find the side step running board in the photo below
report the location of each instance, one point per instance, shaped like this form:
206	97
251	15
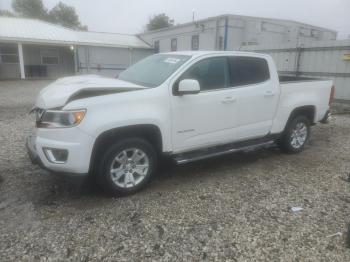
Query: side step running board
219	151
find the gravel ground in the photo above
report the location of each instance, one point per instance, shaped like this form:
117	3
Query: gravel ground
234	208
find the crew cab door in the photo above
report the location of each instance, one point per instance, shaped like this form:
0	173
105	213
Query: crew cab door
208	117
257	95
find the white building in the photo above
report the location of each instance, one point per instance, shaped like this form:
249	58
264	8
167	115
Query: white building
230	32
36	49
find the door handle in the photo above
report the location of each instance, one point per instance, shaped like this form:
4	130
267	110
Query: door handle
269	93
229	100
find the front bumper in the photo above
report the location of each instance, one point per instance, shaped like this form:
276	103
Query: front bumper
33	154
78	144
31	149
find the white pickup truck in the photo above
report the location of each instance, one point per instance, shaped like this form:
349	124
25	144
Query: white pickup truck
187	105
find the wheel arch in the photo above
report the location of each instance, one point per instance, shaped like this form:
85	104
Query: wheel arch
151	133
308	111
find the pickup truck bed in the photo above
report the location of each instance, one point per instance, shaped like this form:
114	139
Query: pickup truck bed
289	79
296	92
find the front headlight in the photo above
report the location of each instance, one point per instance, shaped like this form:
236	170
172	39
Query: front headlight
60	119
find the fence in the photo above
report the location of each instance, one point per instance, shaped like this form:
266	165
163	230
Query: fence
324	59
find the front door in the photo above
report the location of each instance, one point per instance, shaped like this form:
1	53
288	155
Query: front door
209	117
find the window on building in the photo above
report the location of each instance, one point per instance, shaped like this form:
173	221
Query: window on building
195	42
49	56
248	70
315	33
9	54
211	73
304	31
173	45
156	46
221	43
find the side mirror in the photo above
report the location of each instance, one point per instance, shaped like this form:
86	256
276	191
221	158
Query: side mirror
188	86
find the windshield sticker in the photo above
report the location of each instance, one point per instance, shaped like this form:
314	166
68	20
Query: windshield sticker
172	60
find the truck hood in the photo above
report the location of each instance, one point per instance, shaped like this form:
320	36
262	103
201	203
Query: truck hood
67	89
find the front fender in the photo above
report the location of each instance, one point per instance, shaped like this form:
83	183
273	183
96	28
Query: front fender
145	107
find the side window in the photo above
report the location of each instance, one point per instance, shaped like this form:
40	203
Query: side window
49	56
221	43
156	47
8	54
248	70
173	45
195	42
211	73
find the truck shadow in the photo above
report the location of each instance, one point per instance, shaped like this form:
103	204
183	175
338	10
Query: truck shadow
169	177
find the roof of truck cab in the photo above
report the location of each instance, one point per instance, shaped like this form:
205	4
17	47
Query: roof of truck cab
203	53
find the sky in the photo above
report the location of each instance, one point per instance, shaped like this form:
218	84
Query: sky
131	16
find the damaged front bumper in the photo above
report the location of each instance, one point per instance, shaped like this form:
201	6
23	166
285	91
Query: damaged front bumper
31	149
76	165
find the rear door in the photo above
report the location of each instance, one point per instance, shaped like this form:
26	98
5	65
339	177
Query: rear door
257	95
209	117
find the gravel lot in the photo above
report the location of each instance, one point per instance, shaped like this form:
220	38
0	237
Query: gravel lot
235	208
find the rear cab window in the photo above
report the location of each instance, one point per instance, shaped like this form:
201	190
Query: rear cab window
245	70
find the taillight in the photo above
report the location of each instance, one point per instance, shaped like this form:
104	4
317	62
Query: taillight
331	97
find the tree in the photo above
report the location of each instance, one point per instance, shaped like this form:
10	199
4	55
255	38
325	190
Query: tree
66	16
159	21
30	9
6	13
61	14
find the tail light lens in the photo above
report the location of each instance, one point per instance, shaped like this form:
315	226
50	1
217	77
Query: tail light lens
331	97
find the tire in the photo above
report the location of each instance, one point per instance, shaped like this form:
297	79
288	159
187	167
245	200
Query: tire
295	136
127	166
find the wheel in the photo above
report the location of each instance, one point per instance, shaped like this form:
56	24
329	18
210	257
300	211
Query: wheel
295	135
127	166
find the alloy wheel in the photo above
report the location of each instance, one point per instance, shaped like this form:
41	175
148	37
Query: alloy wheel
129	168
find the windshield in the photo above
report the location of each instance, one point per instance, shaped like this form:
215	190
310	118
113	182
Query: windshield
153	70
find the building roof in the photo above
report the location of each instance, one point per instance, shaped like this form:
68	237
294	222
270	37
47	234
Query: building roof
36	31
239	17
124	40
